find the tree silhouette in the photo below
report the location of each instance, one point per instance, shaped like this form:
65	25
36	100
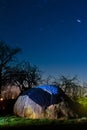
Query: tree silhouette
70	85
24	75
7	54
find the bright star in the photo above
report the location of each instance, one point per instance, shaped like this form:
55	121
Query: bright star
79	21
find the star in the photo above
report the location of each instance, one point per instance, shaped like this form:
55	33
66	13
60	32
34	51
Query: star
79	21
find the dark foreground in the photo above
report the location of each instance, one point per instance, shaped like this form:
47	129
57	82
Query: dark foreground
77	126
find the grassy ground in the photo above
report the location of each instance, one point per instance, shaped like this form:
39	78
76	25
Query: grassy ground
18	122
83	102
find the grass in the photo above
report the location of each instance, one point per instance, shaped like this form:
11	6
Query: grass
12	121
18	122
83	102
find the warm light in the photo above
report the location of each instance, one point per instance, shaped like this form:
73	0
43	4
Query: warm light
12	97
1	99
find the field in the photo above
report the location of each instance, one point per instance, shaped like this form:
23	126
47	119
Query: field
11	121
17	122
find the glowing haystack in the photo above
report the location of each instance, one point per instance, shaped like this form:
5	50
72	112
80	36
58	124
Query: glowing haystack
41	101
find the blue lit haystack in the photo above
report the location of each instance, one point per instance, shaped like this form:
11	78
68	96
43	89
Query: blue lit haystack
43	95
39	102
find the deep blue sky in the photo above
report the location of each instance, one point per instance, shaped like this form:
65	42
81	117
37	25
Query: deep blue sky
51	33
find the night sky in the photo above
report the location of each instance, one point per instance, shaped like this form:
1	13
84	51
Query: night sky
51	33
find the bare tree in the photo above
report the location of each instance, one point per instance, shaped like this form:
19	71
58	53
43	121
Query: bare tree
50	80
7	54
69	85
24	75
